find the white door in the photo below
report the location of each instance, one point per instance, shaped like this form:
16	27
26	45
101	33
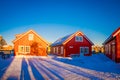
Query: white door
81	51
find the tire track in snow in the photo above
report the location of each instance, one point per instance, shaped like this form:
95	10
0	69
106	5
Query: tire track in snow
66	74
43	71
14	70
89	73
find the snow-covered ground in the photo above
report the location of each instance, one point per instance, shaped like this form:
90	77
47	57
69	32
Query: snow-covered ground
95	67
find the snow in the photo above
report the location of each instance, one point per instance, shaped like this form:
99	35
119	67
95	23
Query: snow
95	67
60	40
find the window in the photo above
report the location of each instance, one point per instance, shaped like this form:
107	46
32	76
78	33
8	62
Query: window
70	46
79	39
21	49
56	49
30	37
106	49
27	49
86	50
81	49
24	49
61	49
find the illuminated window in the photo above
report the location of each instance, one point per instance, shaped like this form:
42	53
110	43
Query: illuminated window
56	49
79	39
30	37
21	49
61	49
27	49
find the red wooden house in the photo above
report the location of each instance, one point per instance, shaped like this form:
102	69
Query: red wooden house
30	43
112	46
76	43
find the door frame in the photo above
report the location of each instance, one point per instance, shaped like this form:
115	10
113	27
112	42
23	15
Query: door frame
85	47
81	49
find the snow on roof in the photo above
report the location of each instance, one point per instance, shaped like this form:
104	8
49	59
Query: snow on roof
112	36
108	39
60	40
63	39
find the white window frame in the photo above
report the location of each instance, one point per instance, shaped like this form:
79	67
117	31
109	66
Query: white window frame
62	49
19	49
26	48
56	49
53	49
30	37
87	50
83	49
79	38
70	46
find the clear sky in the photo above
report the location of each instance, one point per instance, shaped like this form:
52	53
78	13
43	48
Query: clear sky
53	19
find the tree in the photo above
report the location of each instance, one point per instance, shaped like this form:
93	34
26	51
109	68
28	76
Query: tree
2	41
37	49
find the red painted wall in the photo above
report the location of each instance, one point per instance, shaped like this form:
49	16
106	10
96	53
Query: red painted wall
75	49
118	47
59	50
77	45
108	51
25	42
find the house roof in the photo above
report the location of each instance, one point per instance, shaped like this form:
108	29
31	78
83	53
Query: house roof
60	40
112	36
67	38
21	35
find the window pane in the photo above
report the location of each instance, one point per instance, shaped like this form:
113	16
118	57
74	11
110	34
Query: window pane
30	37
81	50
21	49
27	49
61	50
79	38
86	50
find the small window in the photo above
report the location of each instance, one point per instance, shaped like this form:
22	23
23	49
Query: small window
21	49
106	49
86	50
30	37
79	39
56	49
61	49
27	49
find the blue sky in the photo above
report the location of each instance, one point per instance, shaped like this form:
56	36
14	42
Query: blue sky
53	19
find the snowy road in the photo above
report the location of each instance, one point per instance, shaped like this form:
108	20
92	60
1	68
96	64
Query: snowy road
46	68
